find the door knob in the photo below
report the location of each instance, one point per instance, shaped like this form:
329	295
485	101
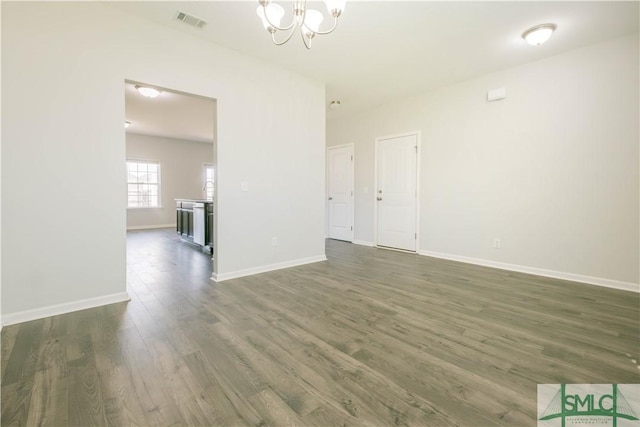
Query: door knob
379	198
330	198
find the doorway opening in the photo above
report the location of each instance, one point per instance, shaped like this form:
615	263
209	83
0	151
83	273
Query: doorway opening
170	145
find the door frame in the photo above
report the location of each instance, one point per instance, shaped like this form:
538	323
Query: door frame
353	189
418	136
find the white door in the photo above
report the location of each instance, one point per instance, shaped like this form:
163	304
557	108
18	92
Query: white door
340	192
396	192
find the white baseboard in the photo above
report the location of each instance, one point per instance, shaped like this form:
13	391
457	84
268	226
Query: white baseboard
363	243
68	307
150	227
599	281
265	268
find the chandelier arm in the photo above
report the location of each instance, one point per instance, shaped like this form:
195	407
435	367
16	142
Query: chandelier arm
273	38
266	17
303	3
335	24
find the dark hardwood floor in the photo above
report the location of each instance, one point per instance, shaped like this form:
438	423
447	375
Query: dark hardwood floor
370	337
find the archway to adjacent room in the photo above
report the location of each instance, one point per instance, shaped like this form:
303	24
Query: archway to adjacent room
170	176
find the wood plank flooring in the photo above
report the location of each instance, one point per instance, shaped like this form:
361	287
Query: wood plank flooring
370	337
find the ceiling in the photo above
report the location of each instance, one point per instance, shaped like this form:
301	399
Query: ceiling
383	50
170	115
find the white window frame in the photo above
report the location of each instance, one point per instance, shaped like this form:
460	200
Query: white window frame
159	183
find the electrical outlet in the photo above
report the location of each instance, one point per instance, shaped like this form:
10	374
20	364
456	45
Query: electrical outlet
497	244
274	241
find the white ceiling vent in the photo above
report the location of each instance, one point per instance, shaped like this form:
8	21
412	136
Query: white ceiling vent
190	20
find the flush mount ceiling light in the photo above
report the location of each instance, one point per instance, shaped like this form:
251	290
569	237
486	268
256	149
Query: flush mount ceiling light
334	105
127	124
307	20
539	34
149	92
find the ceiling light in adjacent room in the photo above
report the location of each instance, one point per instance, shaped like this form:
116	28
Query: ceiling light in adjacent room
539	34
127	124
149	92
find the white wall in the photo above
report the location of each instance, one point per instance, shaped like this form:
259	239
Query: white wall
552	170
181	174
63	149
0	183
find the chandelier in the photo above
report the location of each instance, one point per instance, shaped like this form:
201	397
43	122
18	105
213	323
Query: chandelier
307	20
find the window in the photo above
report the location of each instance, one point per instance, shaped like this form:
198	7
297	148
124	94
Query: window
143	184
208	182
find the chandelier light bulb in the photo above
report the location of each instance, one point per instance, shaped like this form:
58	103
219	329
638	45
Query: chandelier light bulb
312	21
274	14
539	34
